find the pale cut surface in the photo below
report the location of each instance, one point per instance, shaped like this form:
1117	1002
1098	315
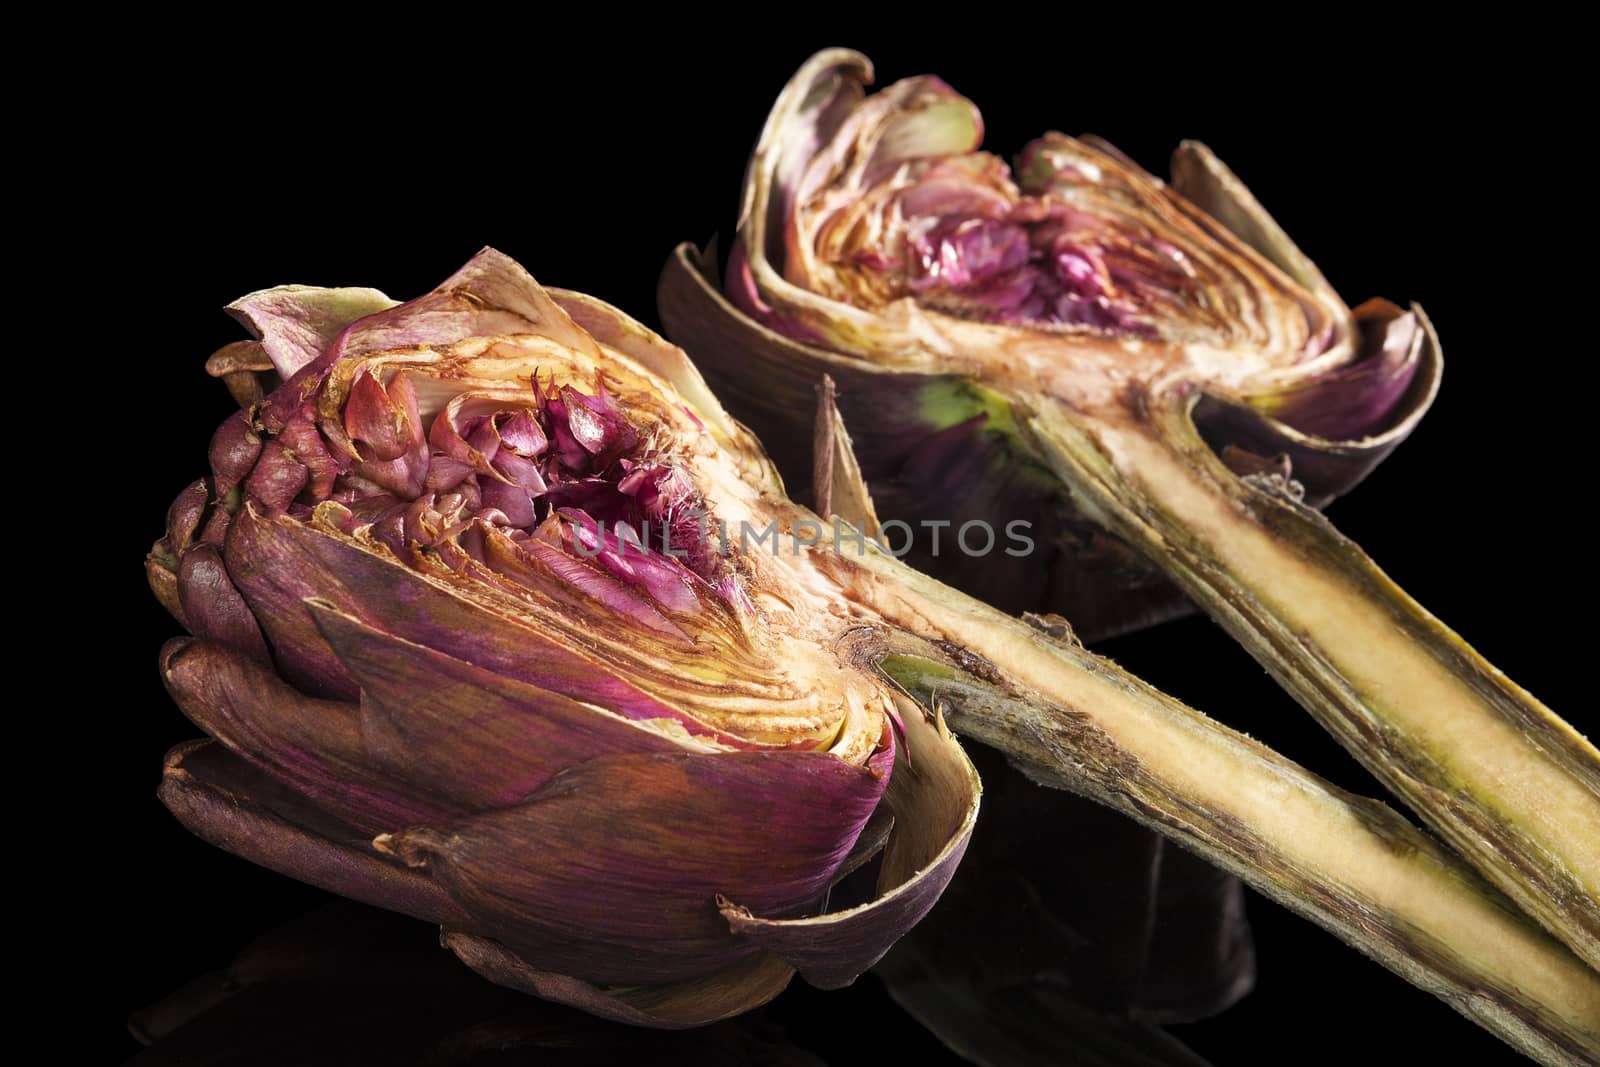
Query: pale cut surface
1506	782
1350	864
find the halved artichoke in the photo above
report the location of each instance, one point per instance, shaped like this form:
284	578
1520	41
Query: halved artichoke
1157	361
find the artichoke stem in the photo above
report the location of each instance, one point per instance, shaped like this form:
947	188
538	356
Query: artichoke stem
1508	784
1072	720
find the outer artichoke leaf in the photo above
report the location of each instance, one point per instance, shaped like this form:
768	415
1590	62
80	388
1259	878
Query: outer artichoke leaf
805	117
184	518
265	556
934	794
638	848
212	608
778	381
1336	426
250	357
272	567
1202	179
235	807
737	988
427	718
1356	400
311	746
874	836
1401	369
491	296
297	323
164	585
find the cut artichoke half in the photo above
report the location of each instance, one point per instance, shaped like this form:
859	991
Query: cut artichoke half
1186	381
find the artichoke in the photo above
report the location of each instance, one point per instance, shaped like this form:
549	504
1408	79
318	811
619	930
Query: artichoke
431	634
1075	339
500	621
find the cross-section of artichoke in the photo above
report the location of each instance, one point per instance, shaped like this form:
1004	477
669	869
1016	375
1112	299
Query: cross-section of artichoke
500	621
1173	372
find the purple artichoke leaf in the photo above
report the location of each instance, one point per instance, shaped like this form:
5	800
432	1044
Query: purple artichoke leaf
277	565
1334	430
427	718
311	746
623	844
691	1002
933	821
245	369
297	323
228	803
212	608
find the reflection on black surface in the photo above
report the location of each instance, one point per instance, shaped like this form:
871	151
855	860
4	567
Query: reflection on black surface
1067	935
351	985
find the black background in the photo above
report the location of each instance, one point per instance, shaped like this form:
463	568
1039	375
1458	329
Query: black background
1413	172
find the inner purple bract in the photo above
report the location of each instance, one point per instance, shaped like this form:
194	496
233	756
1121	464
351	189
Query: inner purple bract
560	489
1001	270
1026	260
